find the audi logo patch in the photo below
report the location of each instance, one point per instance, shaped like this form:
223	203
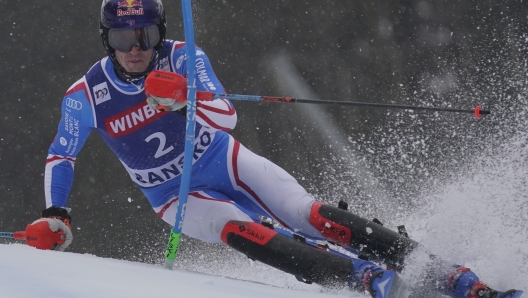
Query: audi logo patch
74	104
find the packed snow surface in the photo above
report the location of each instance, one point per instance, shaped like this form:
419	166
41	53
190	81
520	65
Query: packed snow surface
28	272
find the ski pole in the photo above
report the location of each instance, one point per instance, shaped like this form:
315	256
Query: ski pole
173	86
19	235
176	231
37	235
210	96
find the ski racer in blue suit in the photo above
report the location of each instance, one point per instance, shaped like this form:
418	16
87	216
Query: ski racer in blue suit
231	187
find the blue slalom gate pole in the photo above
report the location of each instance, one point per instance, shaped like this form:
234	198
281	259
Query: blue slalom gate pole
174	239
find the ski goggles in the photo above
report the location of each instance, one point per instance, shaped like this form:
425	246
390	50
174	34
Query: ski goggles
123	39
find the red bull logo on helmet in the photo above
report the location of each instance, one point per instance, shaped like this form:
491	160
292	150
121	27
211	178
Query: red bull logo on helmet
129	8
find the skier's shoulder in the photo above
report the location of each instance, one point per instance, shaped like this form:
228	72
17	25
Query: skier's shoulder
97	72
179	47
82	82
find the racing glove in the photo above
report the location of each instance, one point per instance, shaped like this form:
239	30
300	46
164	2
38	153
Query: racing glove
165	104
166	91
52	231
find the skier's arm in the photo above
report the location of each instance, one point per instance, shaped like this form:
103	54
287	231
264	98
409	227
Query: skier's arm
73	130
219	113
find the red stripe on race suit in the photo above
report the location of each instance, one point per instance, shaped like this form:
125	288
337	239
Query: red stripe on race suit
194	194
236	148
79	87
54	158
165	207
229	112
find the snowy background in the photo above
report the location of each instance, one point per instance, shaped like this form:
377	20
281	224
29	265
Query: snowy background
458	184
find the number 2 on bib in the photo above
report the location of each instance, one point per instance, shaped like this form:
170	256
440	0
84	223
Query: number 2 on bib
162	142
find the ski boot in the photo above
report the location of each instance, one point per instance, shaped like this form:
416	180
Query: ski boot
369	239
378	282
463	283
479	289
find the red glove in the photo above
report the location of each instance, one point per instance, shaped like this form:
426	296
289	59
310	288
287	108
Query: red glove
52	231
166	91
166	84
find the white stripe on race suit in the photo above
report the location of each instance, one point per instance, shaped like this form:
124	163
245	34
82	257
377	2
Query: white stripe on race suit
51	162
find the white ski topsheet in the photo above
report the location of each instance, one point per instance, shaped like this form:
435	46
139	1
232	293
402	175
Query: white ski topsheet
28	272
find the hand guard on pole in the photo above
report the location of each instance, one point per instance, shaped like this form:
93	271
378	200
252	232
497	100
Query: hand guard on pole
166	91
52	231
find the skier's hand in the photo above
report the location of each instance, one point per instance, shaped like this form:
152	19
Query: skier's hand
52	231
165	90
58	213
165	104
48	233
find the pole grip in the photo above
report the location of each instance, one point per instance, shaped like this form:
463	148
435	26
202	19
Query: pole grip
20	235
204	96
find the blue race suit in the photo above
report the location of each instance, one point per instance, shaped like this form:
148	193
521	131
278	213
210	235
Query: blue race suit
228	182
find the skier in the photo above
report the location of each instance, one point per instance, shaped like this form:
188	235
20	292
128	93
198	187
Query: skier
231	187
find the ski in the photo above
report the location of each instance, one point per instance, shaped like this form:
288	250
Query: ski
509	294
